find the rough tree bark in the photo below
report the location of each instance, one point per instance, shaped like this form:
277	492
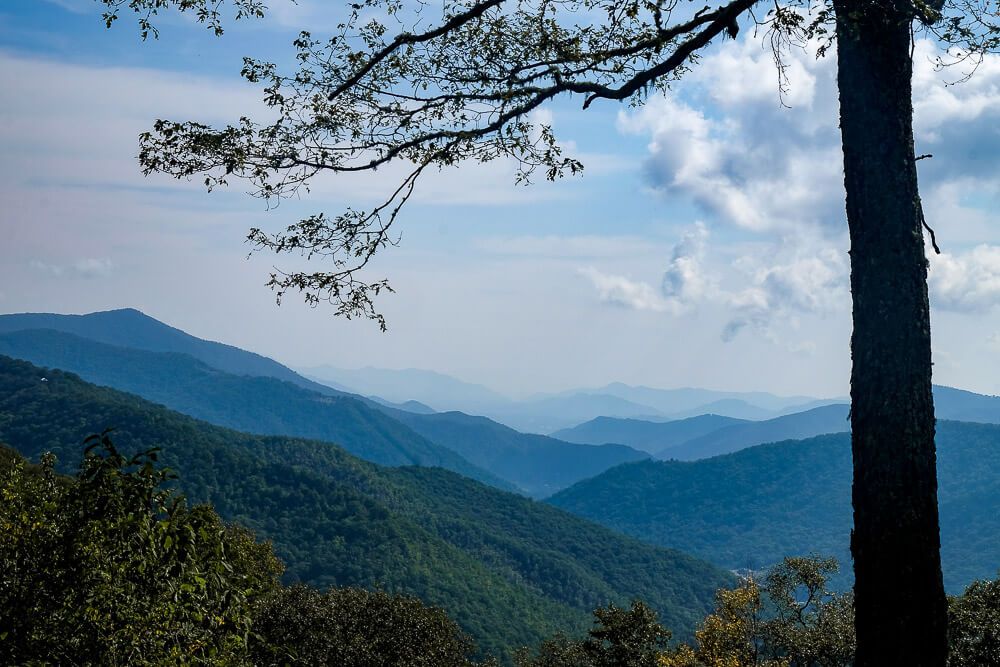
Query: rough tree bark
899	595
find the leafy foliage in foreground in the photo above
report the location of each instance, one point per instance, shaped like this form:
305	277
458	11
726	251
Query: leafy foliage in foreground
113	568
974	625
352	627
790	620
509	570
620	638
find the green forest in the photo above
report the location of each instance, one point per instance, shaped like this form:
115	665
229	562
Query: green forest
510	570
113	566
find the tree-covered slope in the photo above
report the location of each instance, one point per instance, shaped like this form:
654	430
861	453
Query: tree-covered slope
818	421
537	464
510	570
755	506
650	437
262	405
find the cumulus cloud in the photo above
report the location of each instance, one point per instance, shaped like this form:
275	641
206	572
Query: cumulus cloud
685	279
727	144
802	277
684	282
815	284
748	161
621	291
967	282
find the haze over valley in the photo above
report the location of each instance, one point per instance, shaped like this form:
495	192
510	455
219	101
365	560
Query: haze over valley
757	490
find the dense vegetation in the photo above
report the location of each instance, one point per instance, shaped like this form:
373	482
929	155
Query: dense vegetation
112	567
255	404
537	464
508	569
758	505
788	617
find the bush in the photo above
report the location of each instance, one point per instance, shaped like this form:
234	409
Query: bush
112	567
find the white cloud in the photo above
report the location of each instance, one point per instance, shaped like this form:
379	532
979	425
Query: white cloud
726	143
802	276
624	292
748	161
967	282
683	285
685	280
809	284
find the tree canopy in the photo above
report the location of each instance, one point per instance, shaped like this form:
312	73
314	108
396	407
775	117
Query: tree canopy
414	87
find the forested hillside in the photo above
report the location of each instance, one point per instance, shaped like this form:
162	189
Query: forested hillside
508	569
128	327
262	405
535	463
755	506
473	446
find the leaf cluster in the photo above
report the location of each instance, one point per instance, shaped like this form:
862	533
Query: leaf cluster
207	12
410	88
113	568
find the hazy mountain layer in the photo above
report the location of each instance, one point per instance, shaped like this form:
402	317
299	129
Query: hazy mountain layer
537	464
131	328
818	421
648	436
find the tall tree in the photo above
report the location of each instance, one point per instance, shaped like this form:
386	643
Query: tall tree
896	539
464	88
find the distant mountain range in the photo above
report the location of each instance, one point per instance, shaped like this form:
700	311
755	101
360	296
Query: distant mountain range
818	421
757	505
510	570
131	328
376	430
436	390
535	463
711	435
651	437
551	413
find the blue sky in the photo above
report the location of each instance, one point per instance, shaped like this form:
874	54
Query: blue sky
703	246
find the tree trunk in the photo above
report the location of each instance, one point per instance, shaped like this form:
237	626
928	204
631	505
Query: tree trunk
899	596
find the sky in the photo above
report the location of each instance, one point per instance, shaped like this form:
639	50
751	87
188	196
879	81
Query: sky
704	245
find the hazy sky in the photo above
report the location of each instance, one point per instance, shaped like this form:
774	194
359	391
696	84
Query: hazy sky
705	244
